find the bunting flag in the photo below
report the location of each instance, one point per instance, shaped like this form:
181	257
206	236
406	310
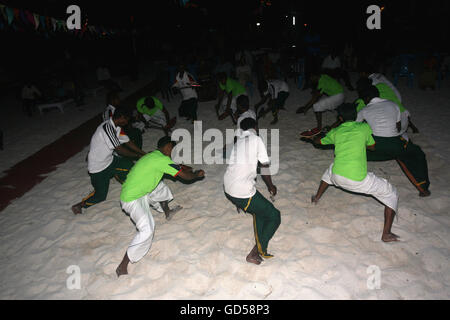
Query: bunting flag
24	20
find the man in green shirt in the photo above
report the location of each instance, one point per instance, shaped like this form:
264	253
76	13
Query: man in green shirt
232	89
154	115
327	96
349	170
144	189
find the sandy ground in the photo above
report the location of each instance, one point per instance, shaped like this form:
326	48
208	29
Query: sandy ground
321	252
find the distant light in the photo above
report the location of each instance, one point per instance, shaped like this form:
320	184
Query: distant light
258	24
293	46
287	16
293	21
305	24
382	8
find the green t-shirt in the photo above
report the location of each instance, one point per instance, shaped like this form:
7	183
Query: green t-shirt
350	140
142	108
233	86
146	174
329	86
385	93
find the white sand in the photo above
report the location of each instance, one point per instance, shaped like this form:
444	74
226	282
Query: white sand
321	252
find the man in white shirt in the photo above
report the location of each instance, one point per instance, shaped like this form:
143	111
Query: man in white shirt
29	95
240	188
383	116
184	82
276	93
103	164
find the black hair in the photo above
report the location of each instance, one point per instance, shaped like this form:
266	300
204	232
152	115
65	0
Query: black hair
248	123
165	141
368	93
121	111
243	102
149	102
347	111
363	83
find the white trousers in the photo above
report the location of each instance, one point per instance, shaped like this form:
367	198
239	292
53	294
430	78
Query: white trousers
372	185
139	212
329	103
158	118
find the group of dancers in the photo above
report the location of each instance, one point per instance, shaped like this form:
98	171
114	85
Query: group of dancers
373	128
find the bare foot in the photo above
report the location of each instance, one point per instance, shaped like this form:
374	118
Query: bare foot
425	194
172	212
121	270
314	200
390	237
253	256
77	209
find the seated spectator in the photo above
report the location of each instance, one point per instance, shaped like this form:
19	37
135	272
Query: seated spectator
29	95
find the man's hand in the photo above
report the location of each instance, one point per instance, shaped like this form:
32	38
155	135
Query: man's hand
273	190
199	173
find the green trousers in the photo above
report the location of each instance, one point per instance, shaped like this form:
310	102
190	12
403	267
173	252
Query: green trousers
410	157
119	169
279	103
266	219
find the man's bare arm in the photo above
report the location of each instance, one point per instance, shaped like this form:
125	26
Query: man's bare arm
126	152
268	181
188	174
133	147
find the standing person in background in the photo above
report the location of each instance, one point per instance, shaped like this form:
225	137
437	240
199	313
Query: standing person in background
184	81
332	66
29	95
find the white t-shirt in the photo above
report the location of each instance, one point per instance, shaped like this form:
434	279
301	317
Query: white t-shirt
29	92
330	63
240	178
183	82
106	138
382	116
274	87
379	78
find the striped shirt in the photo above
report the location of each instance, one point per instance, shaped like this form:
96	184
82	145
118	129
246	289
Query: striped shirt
106	138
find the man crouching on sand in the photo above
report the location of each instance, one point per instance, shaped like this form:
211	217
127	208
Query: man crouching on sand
144	189
240	188
349	170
